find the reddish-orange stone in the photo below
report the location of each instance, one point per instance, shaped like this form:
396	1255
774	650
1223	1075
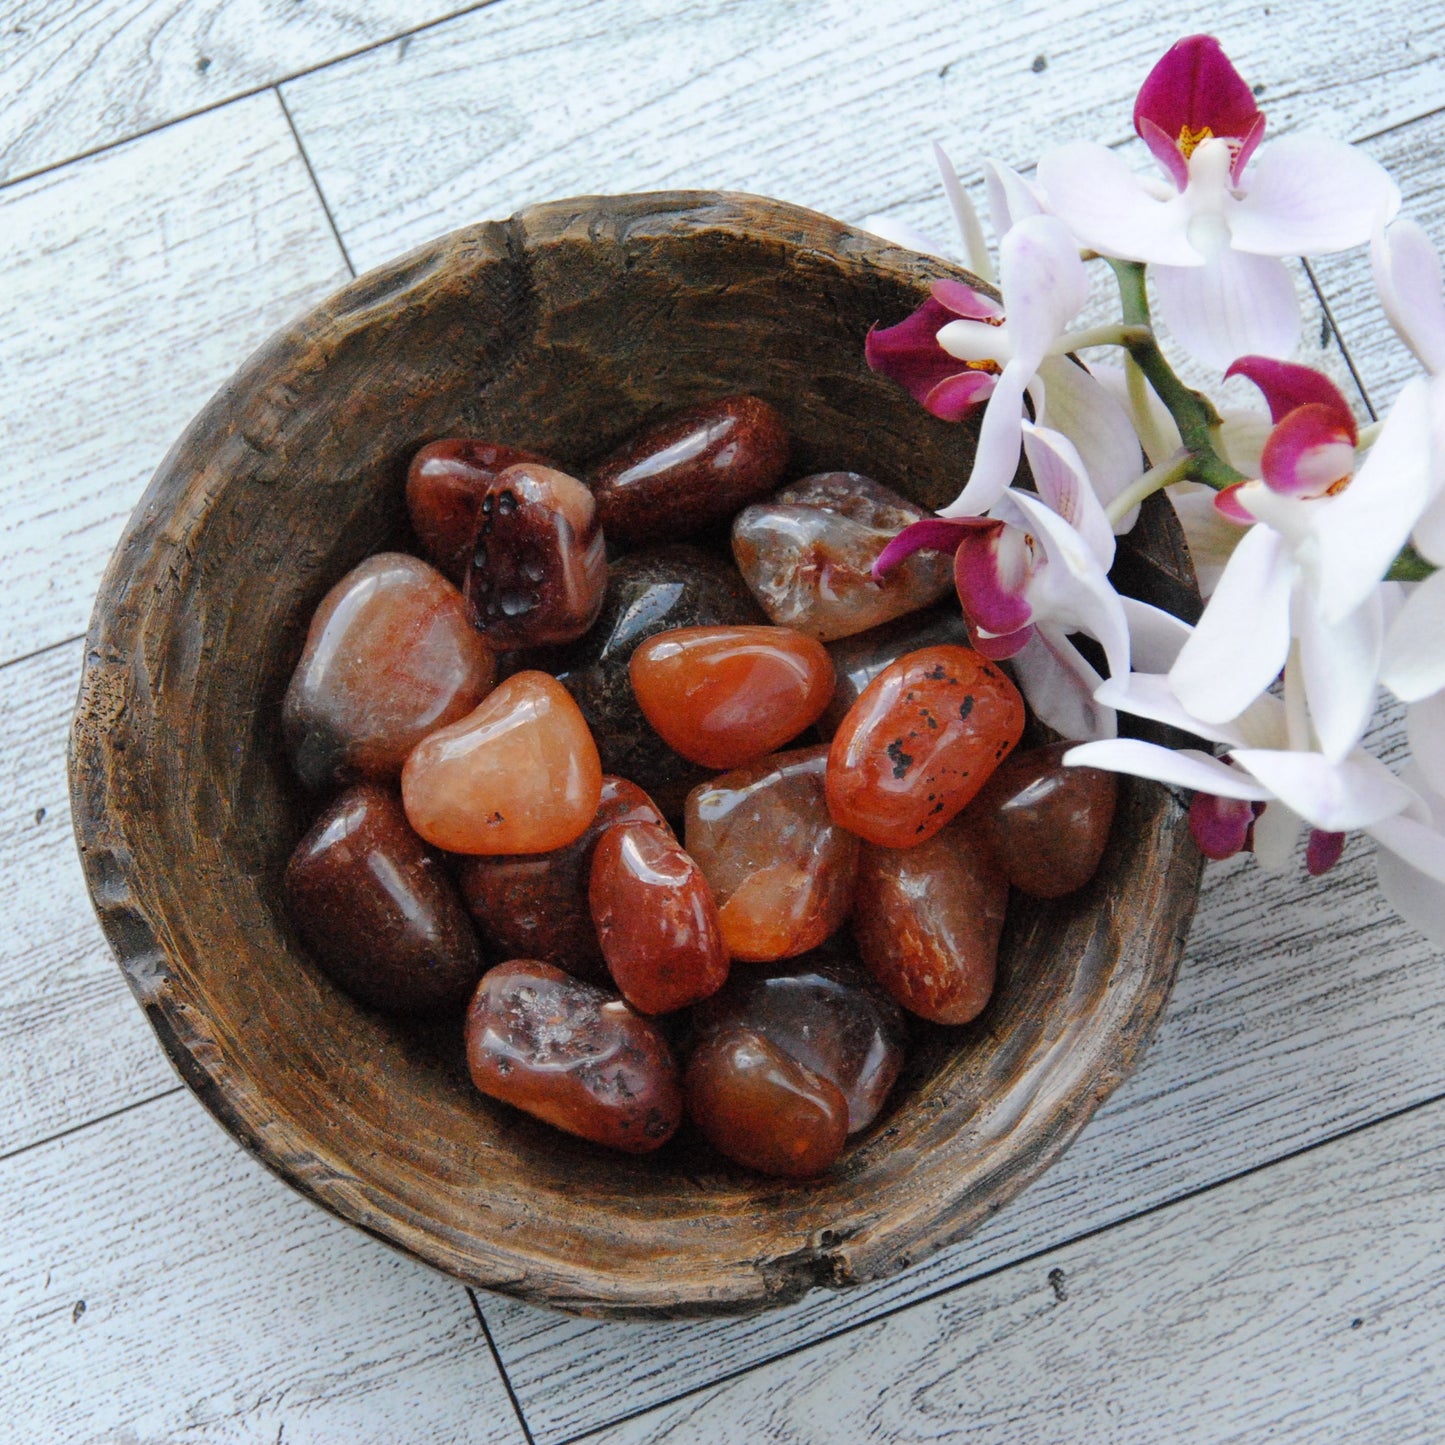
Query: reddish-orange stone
656	920
918	745
764	1109
1047	824
534	905
927	922
722	696
444	488
520	774
570	1054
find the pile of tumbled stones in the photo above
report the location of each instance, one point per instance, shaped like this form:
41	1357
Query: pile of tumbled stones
511	729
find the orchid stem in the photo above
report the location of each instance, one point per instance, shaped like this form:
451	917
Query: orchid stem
1111	335
1194	415
1177	469
1156	444
1409	566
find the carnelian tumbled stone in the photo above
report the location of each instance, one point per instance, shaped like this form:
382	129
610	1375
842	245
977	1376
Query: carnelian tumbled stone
764	1109
444	488
656	919
568	1053
534	905
520	774
781	870
1047	824
919	744
390	656
927	922
723	696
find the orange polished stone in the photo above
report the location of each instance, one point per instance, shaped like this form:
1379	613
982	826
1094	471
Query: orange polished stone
781	870
1047	824
723	696
764	1109
927	922
918	745
520	774
571	1054
656	919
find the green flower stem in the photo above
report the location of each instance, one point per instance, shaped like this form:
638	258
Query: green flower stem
1409	566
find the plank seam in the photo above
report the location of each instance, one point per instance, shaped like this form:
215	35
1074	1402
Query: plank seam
316	184
88	1123
1031	1258
501	1368
1339	338
41	651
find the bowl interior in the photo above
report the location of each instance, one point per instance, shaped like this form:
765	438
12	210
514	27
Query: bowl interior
561	330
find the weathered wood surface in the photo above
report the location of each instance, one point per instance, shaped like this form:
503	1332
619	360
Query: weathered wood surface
155	1285
1299	1304
135	281
78	77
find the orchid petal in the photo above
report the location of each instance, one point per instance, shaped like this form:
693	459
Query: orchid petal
1165	149
1276	835
1063	482
1242	435
1148	695
1323	851
1231	304
1308	454
1099	428
1337	797
1155	636
1044	284
1109	208
1407	276
930	533
1060	686
1287	385
965	217
1414	664
1310	194
1183	767
1193	88
975	342
996	458
1240	643
1000	647
1211	536
1340	663
900	233
1425	727
1415	893
991	570
955	396
1010	197
1220	826
909	353
965	300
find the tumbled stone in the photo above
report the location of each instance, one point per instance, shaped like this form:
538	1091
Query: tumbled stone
445	485
807	554
1047	824
535	905
691	470
376	908
517	775
781	871
723	696
857	660
656	919
570	1054
390	657
538	569
763	1109
648	592
919	744
927	922
825	1012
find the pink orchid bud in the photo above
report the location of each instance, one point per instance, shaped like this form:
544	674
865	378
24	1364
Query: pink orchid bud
1192	95
1323	851
1222	826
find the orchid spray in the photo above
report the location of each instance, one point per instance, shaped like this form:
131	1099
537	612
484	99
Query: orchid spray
1316	540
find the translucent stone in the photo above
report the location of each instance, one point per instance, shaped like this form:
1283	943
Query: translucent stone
807	554
690	471
927	922
377	910
758	1106
723	696
539	564
518	775
445	485
1047	824
825	1012
780	869
919	744
535	905
656	919
390	657
573	1056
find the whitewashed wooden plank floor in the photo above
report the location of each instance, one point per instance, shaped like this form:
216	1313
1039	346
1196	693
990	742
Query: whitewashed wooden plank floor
179	214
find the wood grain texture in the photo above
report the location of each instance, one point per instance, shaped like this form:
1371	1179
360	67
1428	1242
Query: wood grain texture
1299	1304
79	76
74	1042
186	813
155	1286
134	281
825	103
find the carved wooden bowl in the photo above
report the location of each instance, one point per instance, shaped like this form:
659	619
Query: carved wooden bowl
560	330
